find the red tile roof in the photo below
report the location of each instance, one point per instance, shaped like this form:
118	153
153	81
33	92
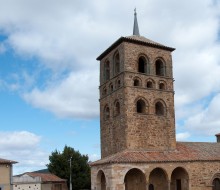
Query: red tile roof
185	151
4	161
135	40
46	177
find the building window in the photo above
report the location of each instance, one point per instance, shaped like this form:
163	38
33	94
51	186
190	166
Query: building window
142	65
162	86
160	68
151	187
106	113
106	71
159	109
216	184
137	82
178	184
149	84
118	83
117	108
140	106
116	63
104	91
111	87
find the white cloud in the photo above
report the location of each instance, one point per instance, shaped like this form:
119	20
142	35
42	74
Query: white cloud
76	96
71	35
18	140
23	147
182	136
94	157
207	121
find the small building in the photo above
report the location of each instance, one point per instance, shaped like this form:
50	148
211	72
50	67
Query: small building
38	181
6	174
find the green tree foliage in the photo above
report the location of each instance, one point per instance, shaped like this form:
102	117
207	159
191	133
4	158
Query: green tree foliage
60	166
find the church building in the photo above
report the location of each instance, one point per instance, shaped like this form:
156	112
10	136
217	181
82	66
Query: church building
139	150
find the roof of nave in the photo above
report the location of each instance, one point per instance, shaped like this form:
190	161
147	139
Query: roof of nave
4	161
185	151
135	39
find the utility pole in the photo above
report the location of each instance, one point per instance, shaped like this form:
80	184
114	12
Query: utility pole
71	173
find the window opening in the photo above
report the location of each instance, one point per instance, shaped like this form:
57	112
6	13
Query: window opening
216	184
140	106
111	87
159	109
151	187
119	83
117	108
160	70
104	92
106	71
136	82
149	84
142	65
178	184
117	63
161	86
107	113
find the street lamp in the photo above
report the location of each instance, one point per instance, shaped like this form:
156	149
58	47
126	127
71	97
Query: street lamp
70	173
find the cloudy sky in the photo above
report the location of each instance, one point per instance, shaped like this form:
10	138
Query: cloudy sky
49	75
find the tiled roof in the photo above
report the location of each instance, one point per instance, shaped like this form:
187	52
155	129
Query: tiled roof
4	161
46	177
136	40
185	151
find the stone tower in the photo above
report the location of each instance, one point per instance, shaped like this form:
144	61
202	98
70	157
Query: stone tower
136	96
138	145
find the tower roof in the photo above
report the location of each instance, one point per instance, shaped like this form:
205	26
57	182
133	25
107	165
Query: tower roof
135	39
135	29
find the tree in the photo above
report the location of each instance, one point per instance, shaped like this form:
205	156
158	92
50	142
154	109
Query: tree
60	166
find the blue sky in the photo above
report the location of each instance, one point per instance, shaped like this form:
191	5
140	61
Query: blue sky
49	75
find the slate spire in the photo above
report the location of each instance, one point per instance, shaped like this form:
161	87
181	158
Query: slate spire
135	29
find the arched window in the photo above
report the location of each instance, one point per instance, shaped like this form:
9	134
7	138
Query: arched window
118	83
117	108
162	86
136	82
216	184
111	88
151	187
142	65
141	106
104	91
149	84
116	63
160	68
159	109
106	71
106	113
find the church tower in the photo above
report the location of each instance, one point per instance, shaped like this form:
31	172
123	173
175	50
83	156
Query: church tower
136	96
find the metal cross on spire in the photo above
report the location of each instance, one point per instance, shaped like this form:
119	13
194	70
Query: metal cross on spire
135	29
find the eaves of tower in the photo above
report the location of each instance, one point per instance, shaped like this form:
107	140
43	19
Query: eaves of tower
139	40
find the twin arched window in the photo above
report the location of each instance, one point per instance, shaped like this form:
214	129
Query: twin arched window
159	107
116	110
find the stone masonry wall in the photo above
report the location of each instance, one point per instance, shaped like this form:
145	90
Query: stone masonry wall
200	174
